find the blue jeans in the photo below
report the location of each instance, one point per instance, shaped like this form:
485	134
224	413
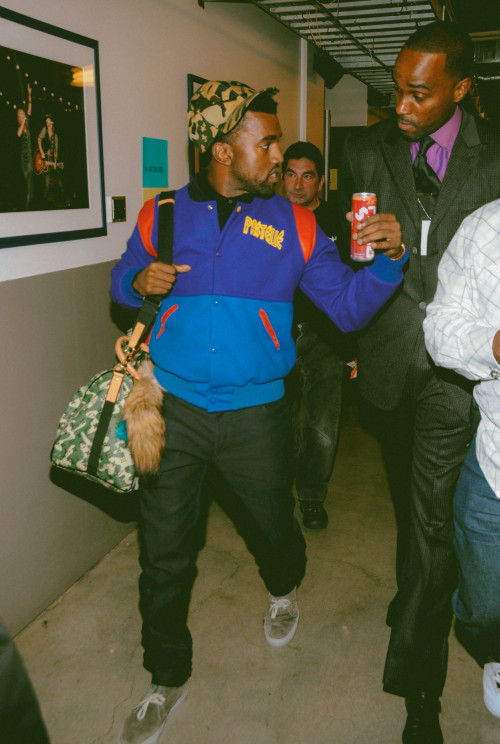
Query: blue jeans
317	381
251	449
477	544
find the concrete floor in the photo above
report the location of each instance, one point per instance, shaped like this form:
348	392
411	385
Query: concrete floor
84	656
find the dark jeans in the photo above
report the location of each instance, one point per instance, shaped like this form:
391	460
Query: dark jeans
251	449
20	718
317	381
477	544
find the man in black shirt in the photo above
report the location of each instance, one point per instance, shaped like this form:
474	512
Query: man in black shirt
318	374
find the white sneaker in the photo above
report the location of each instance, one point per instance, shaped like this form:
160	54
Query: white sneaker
147	720
281	619
491	686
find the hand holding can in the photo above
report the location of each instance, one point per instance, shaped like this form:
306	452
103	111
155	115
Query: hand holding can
364	204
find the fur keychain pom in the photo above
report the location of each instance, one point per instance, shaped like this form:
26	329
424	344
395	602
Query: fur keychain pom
145	423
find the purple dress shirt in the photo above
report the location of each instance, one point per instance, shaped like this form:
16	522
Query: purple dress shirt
438	154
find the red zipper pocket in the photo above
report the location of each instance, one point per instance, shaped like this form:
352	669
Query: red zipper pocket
267	325
166	315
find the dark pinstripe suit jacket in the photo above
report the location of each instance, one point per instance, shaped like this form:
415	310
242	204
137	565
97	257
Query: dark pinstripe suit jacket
379	160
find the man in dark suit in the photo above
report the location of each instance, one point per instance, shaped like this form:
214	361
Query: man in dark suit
423	412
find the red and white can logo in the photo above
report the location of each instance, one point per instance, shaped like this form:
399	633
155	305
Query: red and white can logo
364	204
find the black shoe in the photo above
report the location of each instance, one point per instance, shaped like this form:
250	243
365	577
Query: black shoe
314	515
422	723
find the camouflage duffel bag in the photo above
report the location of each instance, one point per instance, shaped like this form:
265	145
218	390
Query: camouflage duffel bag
113	428
91	437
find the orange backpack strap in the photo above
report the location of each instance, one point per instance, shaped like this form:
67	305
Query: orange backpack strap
306	228
145	226
165	226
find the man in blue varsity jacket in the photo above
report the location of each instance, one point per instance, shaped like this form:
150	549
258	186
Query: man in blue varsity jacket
221	346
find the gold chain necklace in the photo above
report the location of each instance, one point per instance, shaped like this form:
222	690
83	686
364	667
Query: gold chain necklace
424	209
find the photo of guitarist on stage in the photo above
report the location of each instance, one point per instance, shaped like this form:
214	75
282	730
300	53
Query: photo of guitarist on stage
43	144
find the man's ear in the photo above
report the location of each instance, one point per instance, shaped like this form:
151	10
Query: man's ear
222	152
461	89
320	185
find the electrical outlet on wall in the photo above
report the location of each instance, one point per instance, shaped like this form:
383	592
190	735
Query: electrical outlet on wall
118	209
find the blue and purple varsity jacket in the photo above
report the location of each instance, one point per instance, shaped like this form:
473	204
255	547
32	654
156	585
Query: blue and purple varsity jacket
222	338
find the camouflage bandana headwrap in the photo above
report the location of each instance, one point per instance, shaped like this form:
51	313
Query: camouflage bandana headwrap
217	107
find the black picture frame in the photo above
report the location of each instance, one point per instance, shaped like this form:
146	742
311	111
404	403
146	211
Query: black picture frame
195	158
53	74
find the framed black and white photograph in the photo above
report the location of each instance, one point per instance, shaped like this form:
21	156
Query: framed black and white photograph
51	162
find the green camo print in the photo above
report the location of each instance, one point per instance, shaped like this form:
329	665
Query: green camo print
216	107
76	432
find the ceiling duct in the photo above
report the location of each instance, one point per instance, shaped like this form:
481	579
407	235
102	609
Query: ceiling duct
486	51
328	68
376	99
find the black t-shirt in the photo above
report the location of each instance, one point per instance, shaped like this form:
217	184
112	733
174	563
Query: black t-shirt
325	218
304	310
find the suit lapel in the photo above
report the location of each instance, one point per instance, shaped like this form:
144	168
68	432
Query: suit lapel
464	154
397	157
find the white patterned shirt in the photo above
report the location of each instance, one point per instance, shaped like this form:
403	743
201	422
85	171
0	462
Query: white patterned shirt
462	321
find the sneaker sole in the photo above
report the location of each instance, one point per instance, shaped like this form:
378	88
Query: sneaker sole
277	642
491	697
493	704
154	738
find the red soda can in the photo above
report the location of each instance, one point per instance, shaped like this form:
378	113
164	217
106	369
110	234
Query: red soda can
364	204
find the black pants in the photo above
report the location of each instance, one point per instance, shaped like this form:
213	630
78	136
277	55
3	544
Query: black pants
425	440
317	382
20	718
251	449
